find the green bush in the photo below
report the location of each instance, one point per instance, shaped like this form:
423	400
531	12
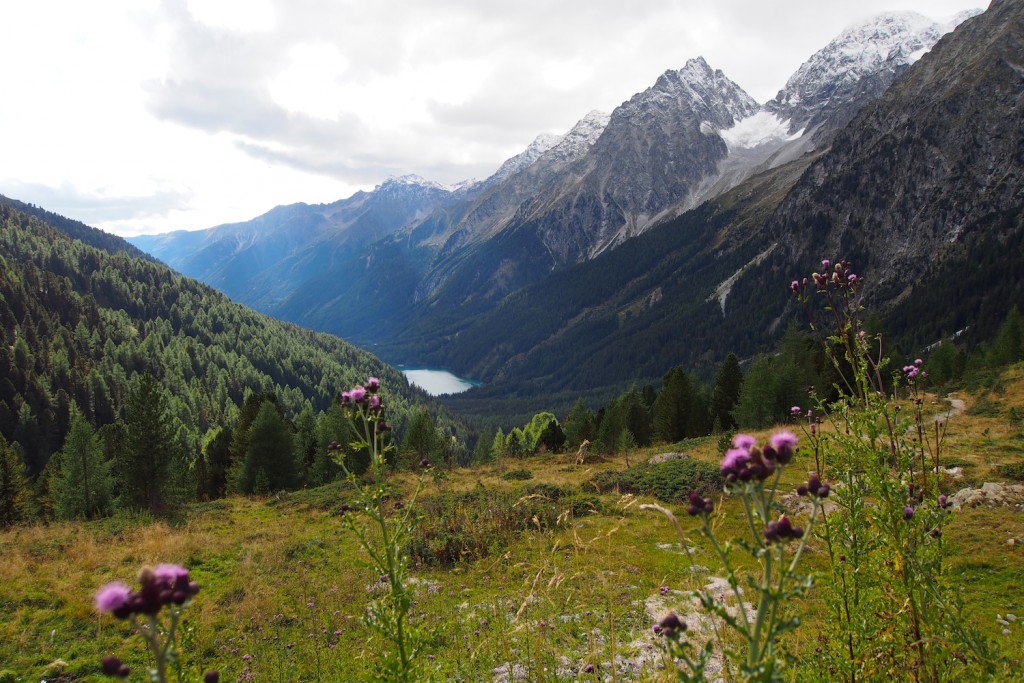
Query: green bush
1013	470
668	481
517	475
470	525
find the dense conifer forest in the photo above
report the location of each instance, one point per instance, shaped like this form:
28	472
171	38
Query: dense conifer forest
161	366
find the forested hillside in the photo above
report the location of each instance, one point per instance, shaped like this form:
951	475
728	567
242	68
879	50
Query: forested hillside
81	327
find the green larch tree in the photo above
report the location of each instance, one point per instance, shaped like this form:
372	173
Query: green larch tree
81	486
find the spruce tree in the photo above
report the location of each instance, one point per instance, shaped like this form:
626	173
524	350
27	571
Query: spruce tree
672	407
421	440
579	425
82	483
334	428
726	393
147	479
483	454
270	463
306	440
756	408
15	495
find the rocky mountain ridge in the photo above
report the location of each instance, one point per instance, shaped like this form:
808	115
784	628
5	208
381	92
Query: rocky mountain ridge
691	167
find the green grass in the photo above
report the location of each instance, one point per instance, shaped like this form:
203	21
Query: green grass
546	576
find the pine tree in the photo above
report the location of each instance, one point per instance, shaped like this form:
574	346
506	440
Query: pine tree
15	496
483	454
672	406
726	393
147	480
81	485
421	439
498	447
756	408
579	424
270	463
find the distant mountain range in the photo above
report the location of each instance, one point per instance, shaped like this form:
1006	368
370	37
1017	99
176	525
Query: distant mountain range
666	232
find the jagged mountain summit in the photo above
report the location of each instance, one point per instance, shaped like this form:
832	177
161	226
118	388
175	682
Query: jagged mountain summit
860	64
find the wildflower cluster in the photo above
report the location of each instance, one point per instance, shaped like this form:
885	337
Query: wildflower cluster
167	584
886	591
164	586
912	372
365	400
751	471
745	461
386	545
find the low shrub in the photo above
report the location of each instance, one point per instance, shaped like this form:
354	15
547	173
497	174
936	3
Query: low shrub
1012	470
517	475
670	481
470	525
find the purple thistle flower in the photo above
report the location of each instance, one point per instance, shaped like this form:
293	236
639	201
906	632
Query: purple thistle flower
784	443
734	460
825	264
211	676
113	597
744	441
358	394
171	575
671	623
908	512
112	666
372	384
781	531
795	411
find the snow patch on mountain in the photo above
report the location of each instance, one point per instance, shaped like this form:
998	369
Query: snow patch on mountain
763	128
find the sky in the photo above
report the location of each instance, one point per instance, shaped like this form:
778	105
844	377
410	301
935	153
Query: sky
146	116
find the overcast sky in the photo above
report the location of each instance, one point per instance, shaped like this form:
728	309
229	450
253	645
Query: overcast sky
142	116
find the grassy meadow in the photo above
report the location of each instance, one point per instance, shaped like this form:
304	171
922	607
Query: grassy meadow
523	570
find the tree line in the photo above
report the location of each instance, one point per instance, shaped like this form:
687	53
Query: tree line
89	336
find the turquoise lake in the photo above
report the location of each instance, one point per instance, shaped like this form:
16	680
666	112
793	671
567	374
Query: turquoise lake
436	381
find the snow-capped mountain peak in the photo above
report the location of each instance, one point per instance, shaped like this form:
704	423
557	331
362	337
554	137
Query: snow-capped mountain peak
580	138
704	91
541	144
411	180
864	58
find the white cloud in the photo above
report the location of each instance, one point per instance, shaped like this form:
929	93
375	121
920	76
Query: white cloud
181	114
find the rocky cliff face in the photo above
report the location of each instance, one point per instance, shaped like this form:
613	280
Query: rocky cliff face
656	147
924	189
